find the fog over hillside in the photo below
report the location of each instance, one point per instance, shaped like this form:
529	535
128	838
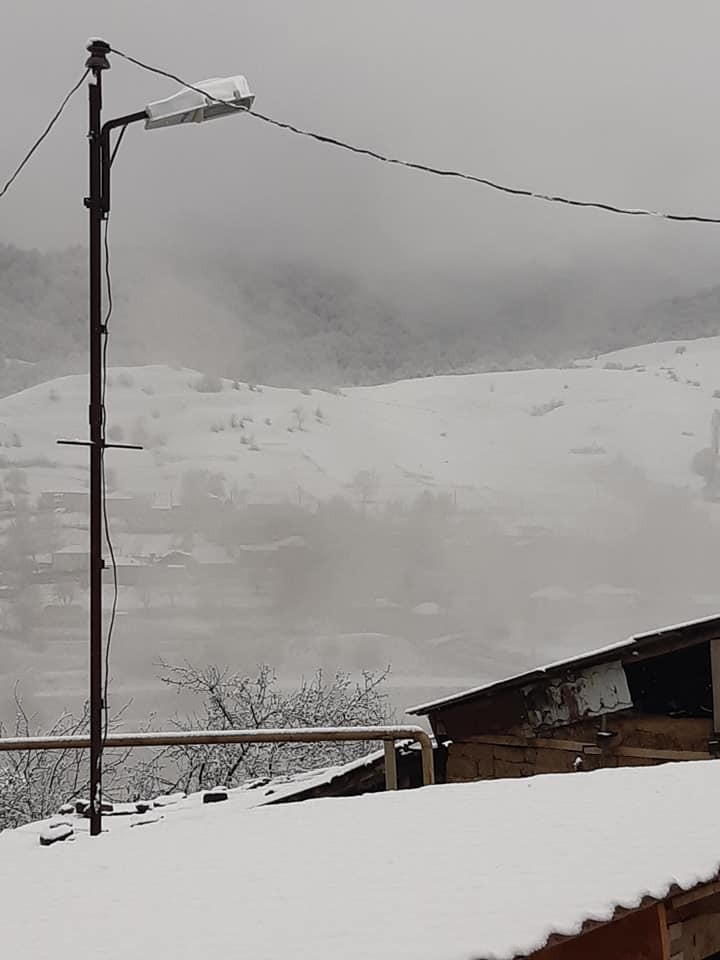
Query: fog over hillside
299	322
452	528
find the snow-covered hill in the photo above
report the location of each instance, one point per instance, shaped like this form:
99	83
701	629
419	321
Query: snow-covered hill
524	444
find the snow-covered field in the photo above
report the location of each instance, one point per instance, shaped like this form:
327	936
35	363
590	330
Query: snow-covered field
523	444
477	871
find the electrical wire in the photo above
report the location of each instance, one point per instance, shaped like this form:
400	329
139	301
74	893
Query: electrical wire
106	520
425	168
44	134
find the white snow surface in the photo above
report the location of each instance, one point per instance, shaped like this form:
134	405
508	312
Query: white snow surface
477	871
522	444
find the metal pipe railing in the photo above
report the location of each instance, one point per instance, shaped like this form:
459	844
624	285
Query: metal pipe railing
388	734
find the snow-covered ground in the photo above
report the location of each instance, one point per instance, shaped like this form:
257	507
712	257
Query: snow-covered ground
477	871
523	444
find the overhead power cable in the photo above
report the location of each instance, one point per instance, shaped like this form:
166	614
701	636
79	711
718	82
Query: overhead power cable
103	403
425	168
42	136
106	519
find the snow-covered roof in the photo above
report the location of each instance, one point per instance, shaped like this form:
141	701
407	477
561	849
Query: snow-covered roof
476	871
644	642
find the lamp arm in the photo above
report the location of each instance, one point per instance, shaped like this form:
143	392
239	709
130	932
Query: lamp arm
105	131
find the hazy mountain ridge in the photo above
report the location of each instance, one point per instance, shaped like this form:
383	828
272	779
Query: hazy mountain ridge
302	324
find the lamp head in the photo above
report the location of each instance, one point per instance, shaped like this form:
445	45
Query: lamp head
196	106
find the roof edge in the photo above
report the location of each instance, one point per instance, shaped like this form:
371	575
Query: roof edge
632	645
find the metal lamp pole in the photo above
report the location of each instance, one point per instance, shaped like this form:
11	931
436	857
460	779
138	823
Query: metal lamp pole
98	207
217	98
97	62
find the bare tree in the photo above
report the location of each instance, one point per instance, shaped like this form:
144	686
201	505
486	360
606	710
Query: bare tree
298	417
365	485
34	784
233	700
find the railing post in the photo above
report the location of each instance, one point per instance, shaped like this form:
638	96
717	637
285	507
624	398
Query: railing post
391	776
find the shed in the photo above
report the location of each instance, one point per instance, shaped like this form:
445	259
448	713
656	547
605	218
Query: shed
652	698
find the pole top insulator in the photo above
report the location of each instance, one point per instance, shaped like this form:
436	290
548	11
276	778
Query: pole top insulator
98	50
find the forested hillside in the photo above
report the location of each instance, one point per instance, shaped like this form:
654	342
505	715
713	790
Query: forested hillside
304	324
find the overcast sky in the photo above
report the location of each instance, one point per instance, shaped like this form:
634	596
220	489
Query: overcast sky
613	101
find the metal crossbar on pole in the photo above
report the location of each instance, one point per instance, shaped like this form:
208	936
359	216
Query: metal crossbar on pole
388	734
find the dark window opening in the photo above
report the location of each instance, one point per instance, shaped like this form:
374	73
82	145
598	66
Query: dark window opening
677	684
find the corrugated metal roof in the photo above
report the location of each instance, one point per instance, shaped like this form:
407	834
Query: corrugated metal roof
641	642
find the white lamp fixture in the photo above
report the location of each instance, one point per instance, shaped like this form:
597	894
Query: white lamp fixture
192	106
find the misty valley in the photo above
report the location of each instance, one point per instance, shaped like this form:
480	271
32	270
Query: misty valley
389	530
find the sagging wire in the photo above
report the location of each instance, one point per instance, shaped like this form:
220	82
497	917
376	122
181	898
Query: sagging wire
425	168
46	131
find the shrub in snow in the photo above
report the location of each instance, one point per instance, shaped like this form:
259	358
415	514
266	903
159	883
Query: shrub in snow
148	389
217	427
268	422
125	380
705	464
541	409
680	350
716	394
53	395
365	484
208	383
298	417
306	391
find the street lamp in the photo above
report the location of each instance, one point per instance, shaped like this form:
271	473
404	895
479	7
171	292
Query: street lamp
187	106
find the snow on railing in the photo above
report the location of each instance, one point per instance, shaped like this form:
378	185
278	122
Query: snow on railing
388	734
